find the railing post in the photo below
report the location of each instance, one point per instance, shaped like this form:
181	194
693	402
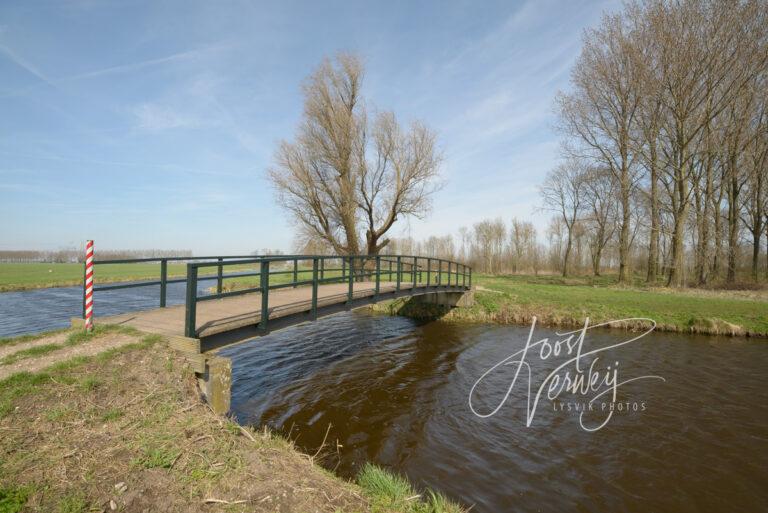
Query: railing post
351	289
470	277
429	271
191	304
163	281
439	272
322	268
389	275
264	283
343	267
295	272
399	269
413	273
378	280
219	276
85	267
464	276
313	311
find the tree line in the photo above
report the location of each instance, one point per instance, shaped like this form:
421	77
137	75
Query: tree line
665	140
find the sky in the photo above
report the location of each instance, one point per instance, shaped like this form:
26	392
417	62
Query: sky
151	124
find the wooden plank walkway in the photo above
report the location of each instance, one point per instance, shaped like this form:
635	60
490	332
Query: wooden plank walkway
218	316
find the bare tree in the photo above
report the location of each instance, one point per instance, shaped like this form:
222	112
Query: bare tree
600	115
562	192
345	179
600	217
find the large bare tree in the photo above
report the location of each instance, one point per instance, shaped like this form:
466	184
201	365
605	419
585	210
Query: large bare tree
345	178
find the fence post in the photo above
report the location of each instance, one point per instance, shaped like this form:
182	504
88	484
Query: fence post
470	277
313	312
264	283
378	272
85	271
191	304
219	277
322	269
429	271
413	273
163	281
343	267
295	272
464	276
351	291
389	275
399	269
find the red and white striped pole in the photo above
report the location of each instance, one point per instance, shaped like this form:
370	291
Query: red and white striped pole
89	285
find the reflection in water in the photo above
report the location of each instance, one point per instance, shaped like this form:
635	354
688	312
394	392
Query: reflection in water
395	392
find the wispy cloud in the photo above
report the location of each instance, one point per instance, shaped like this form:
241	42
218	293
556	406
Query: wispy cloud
137	66
25	64
154	117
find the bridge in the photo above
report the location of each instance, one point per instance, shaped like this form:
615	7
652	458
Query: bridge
274	292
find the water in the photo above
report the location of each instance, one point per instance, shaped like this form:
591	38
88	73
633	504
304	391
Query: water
395	392
34	311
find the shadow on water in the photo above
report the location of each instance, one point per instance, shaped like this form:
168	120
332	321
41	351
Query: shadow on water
395	392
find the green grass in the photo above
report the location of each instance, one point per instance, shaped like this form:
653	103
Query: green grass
12	341
157	457
572	299
37	275
22	384
12	500
74	503
391	492
78	336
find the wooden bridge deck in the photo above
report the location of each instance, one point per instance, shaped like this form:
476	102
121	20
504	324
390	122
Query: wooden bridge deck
219	316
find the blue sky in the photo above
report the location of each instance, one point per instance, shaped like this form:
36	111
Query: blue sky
150	124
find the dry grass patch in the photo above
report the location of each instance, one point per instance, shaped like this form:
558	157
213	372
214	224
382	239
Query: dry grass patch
127	429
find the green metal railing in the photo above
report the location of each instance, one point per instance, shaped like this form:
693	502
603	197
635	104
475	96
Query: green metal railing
292	271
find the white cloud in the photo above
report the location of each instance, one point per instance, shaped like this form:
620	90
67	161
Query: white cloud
155	117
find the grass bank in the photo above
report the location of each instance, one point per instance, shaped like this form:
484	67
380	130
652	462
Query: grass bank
125	430
557	301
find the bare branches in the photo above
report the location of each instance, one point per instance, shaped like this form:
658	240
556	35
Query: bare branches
345	174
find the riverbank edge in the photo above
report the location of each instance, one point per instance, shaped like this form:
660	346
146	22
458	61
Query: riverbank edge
517	315
381	490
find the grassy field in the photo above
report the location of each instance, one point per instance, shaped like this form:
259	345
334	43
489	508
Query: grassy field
125	430
557	301
36	276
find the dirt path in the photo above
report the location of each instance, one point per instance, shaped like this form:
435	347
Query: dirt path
36	363
58	338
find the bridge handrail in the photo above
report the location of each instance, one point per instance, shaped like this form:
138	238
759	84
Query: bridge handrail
353	268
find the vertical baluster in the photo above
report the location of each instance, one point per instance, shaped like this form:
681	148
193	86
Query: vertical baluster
351	286
163	281
264	283
191	303
313	312
219	277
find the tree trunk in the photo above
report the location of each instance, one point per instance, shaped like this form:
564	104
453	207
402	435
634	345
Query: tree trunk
567	253
624	234
733	221
653	247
